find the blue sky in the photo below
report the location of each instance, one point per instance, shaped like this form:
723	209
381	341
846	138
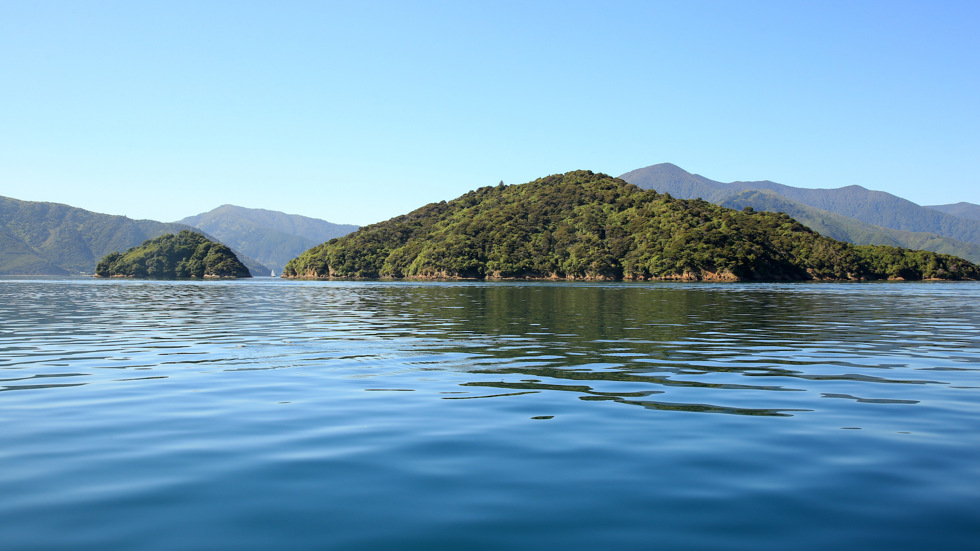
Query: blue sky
355	112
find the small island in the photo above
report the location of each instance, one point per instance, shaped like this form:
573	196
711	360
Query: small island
186	255
587	226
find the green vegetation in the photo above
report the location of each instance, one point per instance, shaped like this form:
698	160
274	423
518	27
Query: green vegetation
185	255
53	239
582	225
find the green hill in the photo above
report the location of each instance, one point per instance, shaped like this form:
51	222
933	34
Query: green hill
582	225
38	238
186	255
18	258
269	236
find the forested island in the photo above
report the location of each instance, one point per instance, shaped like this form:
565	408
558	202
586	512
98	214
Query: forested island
186	255
584	225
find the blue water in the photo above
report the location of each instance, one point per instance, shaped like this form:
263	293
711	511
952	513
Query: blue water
274	414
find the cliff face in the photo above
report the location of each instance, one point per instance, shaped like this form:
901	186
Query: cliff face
583	225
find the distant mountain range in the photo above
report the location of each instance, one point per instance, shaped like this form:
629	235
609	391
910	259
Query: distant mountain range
273	238
852	213
962	210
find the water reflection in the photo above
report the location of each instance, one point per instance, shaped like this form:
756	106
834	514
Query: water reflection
698	348
668	337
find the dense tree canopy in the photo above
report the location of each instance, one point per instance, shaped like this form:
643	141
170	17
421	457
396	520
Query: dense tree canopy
186	255
583	225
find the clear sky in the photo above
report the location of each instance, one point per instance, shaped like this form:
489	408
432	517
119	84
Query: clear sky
358	111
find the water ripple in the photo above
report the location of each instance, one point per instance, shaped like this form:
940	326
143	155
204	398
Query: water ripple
382	415
814	335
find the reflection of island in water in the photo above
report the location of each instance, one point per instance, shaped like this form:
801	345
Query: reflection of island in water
716	349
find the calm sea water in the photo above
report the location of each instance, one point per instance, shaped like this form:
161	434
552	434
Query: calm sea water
273	414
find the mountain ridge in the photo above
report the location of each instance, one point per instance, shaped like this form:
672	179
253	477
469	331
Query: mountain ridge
873	207
272	237
842	228
962	209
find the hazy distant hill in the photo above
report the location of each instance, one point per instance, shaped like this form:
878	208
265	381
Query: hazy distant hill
961	210
672	179
53	239
847	229
868	206
271	237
